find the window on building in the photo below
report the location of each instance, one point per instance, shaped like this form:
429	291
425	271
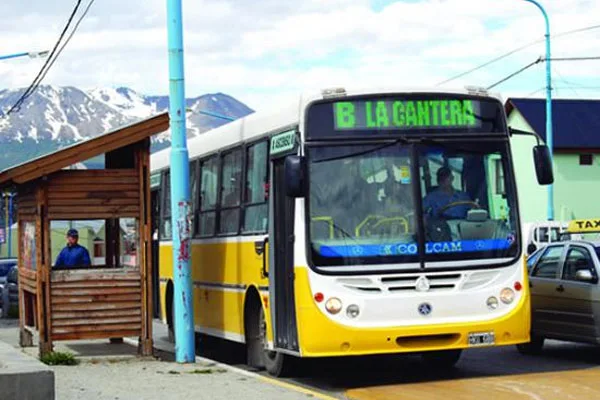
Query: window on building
231	186
255	199
586	159
209	170
165	226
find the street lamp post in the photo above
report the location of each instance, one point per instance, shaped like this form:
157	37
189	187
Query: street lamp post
549	138
31	54
183	317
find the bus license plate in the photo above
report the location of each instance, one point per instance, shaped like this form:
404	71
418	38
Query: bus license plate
481	339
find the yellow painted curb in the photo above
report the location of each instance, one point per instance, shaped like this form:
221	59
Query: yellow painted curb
297	388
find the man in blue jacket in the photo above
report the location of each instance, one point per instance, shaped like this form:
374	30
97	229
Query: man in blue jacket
73	254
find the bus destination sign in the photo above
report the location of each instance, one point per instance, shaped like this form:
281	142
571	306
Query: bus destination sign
394	114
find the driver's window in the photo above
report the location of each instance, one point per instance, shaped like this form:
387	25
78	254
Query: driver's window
577	259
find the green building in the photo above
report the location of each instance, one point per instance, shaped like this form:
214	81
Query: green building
576	134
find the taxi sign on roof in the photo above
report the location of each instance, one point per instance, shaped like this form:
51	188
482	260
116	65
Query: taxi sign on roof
584	225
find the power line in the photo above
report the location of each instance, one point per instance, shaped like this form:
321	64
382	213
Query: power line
584	29
517	72
574	58
541	60
37	79
87	8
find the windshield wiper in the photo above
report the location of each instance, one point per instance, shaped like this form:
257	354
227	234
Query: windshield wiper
402	140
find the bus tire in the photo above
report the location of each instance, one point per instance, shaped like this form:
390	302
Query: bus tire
533	347
442	359
277	364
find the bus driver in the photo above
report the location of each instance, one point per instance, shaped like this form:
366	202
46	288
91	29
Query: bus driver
445	194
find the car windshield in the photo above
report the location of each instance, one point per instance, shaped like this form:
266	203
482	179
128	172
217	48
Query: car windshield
363	207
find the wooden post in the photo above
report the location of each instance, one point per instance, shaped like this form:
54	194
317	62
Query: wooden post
25	336
43	265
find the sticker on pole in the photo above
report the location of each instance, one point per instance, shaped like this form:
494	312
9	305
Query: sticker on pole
283	143
2	236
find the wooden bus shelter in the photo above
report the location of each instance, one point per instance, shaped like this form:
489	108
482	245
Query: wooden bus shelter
104	300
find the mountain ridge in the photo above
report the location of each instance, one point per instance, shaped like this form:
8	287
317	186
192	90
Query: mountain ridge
55	117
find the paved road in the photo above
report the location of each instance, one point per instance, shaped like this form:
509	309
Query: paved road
563	371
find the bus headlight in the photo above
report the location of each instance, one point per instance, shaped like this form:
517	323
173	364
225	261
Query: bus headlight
333	305
507	295
492	303
352	311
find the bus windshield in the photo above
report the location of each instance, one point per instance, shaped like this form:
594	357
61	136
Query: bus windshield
367	201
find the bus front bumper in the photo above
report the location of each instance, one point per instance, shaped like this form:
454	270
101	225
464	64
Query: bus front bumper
319	336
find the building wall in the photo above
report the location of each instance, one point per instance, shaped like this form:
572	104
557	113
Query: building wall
532	196
14	245
576	187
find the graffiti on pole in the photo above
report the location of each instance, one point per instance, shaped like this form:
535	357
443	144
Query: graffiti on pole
184	228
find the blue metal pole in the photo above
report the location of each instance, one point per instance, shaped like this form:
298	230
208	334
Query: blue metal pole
549	137
13	56
9	233
185	351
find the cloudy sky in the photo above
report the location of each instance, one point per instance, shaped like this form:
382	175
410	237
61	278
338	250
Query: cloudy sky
264	51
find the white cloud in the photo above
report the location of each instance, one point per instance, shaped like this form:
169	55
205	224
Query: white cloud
262	52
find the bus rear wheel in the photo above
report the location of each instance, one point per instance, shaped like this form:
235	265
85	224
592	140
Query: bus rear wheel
277	364
441	359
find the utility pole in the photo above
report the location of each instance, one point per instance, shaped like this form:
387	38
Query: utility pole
183	317
549	138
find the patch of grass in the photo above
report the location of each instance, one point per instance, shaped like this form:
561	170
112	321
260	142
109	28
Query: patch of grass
174	372
59	358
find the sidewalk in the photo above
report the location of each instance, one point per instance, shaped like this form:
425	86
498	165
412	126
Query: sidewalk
112	371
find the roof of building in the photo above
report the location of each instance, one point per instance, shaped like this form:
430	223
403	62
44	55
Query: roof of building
85	150
575	123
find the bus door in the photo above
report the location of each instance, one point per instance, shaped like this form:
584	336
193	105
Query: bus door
155	207
281	260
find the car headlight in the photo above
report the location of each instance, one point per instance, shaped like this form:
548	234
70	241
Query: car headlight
507	295
492	303
333	305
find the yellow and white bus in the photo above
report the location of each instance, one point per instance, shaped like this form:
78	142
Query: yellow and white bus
355	223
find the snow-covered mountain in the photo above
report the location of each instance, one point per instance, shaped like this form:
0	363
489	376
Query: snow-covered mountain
54	117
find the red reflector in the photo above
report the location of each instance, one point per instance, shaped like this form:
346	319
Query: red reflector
518	286
319	297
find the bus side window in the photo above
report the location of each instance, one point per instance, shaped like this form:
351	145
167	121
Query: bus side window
165	226
207	199
255	201
231	185
194	193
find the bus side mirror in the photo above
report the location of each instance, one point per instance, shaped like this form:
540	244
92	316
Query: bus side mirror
543	165
295	176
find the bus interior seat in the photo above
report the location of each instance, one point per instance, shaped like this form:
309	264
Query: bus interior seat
478	226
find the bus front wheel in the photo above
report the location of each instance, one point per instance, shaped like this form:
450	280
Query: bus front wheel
441	359
533	347
276	363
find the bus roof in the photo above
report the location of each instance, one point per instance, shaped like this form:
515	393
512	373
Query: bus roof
260	124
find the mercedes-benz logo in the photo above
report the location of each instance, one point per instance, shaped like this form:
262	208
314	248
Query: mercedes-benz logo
424	309
422	284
